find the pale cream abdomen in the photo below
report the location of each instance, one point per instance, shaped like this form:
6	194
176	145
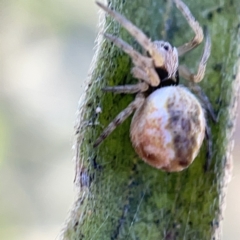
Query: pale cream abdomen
168	130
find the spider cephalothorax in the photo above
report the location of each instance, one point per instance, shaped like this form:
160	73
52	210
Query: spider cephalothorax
168	127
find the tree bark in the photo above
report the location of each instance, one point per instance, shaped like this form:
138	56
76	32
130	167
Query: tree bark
121	197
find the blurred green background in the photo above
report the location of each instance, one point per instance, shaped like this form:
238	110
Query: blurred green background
45	52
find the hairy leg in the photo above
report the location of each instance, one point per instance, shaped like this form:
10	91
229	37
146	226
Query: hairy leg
142	39
208	134
209	153
184	71
140	74
135	88
142	62
195	27
122	116
204	100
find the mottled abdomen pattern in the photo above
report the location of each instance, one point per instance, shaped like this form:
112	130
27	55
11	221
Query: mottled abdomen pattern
168	130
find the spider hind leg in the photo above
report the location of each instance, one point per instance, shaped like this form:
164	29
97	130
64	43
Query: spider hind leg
209	151
120	118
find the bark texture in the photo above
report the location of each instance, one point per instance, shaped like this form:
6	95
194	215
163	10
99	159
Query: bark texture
121	197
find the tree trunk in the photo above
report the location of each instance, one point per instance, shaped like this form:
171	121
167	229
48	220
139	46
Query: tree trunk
120	196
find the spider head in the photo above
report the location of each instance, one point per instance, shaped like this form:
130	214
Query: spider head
170	56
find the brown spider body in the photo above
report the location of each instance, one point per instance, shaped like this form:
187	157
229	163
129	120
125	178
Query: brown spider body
169	125
168	130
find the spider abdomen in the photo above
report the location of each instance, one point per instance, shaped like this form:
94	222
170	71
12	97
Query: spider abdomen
168	130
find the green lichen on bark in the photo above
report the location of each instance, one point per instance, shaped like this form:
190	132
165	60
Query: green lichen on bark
120	196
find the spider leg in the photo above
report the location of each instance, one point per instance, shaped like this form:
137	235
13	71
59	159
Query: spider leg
193	24
208	133
122	116
142	62
204	100
142	39
140	74
209	153
185	73
139	87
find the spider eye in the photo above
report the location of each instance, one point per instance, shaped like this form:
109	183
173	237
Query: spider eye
166	47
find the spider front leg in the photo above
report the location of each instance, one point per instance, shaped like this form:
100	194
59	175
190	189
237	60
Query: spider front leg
142	39
144	65
195	27
185	73
195	78
121	117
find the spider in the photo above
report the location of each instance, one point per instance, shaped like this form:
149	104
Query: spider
169	124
